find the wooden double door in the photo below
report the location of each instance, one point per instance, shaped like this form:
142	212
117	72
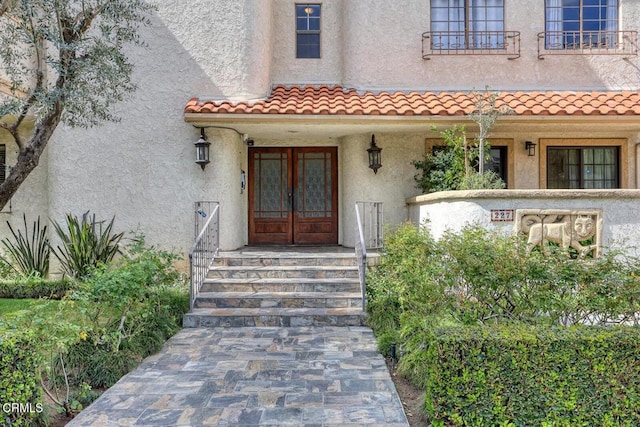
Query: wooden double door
293	195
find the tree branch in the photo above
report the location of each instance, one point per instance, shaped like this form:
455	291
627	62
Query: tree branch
51	396
5	5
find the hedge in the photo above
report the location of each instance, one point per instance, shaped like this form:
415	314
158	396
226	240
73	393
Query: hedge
20	392
35	288
524	376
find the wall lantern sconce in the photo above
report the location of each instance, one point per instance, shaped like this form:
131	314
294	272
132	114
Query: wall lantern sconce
202	150
375	162
530	147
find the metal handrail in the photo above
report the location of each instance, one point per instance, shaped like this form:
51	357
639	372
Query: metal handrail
361	256
581	42
471	43
204	250
373	241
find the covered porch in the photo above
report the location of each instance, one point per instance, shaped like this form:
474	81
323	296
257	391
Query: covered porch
406	125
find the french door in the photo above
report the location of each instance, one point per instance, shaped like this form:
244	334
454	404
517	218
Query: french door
293	195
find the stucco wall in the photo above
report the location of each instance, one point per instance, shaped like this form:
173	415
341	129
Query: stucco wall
142	169
378	45
327	69
391	185
223	47
453	210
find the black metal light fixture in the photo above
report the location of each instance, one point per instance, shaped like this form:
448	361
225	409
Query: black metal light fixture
202	150
375	161
530	147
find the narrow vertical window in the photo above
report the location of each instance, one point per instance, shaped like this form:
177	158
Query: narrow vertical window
307	31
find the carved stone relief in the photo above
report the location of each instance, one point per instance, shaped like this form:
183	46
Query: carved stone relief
577	228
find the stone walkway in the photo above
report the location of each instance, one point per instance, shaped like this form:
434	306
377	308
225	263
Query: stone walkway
255	376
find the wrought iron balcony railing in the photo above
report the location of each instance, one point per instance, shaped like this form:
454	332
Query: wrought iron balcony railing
471	43
587	43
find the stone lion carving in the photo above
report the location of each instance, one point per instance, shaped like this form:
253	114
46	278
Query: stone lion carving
564	230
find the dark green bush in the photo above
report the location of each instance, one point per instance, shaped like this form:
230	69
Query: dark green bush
131	308
444	168
19	379
404	281
35	288
525	376
478	277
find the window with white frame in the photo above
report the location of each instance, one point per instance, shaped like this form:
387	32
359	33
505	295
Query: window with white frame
581	24
467	24
307	30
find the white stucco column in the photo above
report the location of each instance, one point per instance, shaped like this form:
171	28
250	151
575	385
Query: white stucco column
221	183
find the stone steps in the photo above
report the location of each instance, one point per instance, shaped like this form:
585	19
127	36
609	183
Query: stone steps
283	258
279	299
240	317
280	287
283	272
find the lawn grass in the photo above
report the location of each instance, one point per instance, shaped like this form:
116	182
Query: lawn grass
10	309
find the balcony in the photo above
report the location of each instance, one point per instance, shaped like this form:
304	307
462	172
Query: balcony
505	43
623	43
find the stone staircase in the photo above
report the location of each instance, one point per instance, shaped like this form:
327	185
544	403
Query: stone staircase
280	287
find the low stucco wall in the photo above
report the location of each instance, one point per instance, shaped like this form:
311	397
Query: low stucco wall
452	210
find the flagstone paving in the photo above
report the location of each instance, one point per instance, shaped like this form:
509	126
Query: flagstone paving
255	376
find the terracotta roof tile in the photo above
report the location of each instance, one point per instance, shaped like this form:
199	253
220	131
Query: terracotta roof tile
336	100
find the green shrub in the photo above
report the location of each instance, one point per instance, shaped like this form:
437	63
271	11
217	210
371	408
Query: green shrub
19	379
479	277
405	280
488	180
444	168
491	277
29	252
523	375
6	269
131	308
86	244
35	287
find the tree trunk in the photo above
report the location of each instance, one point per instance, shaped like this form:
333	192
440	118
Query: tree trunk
29	156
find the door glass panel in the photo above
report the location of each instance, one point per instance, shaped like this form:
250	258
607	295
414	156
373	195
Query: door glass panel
314	196
270	183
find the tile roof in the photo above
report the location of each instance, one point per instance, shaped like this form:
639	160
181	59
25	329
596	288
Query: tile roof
336	100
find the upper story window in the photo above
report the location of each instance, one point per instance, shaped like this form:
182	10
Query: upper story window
581	24
467	24
307	31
